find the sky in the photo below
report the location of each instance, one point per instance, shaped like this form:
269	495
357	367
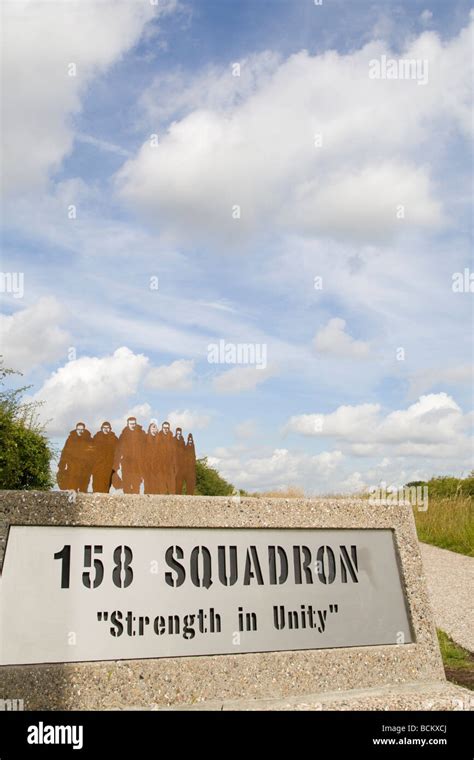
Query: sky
251	218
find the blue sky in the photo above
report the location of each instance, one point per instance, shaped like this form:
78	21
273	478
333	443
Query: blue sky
368	374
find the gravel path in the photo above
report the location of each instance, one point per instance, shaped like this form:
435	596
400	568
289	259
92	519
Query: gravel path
450	579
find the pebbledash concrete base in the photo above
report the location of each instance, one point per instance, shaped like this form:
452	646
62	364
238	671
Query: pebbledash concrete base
366	575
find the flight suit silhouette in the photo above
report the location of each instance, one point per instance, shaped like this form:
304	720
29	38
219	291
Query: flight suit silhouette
75	464
104	446
129	456
153	480
180	448
167	459
190	466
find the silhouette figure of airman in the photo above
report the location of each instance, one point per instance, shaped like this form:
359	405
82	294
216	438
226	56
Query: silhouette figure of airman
129	456
104	445
75	464
167	459
151	464
180	448
159	459
190	466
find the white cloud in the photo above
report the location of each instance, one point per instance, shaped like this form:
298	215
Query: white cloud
279	469
32	336
188	420
335	471
90	388
367	199
174	94
434	418
176	376
353	484
363	449
426	379
241	379
368	164
142	412
346	422
327	461
426	16
332	339
434	426
40	42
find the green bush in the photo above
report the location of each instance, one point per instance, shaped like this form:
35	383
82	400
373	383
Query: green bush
209	482
447	487
25	452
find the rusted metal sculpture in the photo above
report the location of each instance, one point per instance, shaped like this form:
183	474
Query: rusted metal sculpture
104	445
180	448
167	459
75	464
151	466
190	466
129	456
163	462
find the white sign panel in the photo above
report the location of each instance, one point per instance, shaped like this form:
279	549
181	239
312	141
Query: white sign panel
70	594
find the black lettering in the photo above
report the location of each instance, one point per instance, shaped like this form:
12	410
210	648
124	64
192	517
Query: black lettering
65	556
331	562
222	564
252	556
349	564
272	550
215	621
121	566
279	617
293	619
207	566
98	567
173	623
115	619
305	566
179	569
188	629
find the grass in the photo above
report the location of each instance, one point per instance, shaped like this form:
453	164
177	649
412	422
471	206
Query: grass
458	662
448	523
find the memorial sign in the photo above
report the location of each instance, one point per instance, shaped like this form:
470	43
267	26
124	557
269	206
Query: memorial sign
111	593
113	600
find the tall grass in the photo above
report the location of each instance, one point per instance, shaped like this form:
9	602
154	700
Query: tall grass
448	523
292	492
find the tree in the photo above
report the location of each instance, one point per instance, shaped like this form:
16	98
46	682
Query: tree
209	482
25	452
